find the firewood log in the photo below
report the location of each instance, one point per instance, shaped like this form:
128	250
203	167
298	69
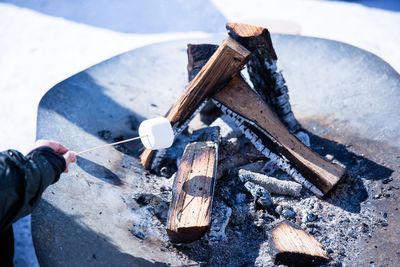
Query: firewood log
189	215
292	246
264	129
262	68
226	62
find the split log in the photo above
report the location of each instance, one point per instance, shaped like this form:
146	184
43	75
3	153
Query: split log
262	68
292	246
198	55
264	129
189	215
226	62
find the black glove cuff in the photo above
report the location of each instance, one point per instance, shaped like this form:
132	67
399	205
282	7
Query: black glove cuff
55	160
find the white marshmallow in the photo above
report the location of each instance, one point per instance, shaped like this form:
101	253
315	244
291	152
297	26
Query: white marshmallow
156	133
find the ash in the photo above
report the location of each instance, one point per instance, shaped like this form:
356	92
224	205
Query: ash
243	217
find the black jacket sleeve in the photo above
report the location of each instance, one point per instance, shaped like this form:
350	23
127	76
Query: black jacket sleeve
23	180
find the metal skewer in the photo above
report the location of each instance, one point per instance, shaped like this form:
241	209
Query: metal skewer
112	144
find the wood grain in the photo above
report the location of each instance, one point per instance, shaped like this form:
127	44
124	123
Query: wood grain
189	215
267	80
241	99
292	246
226	62
252	37
321	173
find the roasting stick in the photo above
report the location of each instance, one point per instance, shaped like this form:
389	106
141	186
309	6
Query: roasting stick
107	145
156	133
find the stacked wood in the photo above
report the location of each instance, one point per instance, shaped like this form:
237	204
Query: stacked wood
292	246
189	215
266	131
198	55
226	62
263	72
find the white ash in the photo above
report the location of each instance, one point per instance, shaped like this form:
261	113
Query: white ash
334	220
273	185
329	157
148	217
331	224
260	194
146	226
281	162
220	218
264	258
227	126
281	101
149	207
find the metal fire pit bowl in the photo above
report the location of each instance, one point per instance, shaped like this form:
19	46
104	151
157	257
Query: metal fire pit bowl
347	98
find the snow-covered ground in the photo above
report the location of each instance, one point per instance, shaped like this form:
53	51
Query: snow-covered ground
43	42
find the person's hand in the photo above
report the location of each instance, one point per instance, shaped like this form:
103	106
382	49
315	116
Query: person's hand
60	149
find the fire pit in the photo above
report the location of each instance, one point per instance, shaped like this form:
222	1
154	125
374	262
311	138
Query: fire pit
109	211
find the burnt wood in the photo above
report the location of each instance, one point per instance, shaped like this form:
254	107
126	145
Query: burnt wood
189	215
292	246
252	37
262	68
238	97
226	62
198	55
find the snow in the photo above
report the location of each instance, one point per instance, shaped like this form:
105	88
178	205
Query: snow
43	42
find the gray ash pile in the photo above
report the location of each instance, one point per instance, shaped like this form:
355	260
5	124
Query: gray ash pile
253	196
266	191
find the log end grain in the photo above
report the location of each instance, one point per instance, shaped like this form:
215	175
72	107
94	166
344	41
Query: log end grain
292	246
252	37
